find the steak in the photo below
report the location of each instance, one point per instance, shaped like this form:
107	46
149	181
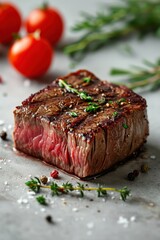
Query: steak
81	124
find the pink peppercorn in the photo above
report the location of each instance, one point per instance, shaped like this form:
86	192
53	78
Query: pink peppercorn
54	174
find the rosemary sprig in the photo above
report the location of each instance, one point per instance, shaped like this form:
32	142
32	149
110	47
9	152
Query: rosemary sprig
113	23
68	187
69	88
141	77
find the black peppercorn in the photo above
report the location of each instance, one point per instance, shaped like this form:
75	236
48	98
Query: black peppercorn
49	219
131	176
3	135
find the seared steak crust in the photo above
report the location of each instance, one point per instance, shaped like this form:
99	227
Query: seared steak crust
89	143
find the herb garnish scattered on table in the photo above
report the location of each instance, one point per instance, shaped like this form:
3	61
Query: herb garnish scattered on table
141	77
35	185
114	23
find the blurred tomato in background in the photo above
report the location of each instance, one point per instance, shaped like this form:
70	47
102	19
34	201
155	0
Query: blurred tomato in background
31	55
10	22
49	21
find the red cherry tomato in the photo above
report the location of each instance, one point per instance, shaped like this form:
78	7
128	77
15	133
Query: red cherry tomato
10	22
31	56
49	21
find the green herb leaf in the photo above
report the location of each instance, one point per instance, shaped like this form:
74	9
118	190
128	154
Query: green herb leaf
101	192
34	184
73	114
84	96
115	114
67	187
124	192
87	79
121	100
69	88
41	199
55	189
148	77
102	100
125	125
81	188
92	108
116	71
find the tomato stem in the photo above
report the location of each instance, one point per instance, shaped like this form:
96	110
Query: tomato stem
44	6
16	36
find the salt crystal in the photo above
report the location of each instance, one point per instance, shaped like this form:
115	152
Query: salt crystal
113	197
9	160
0	167
51	202
5	183
63	199
43	209
123	221
75	209
19	200
31	193
132	218
1	122
90	225
29	175
25	201
153	157
9	126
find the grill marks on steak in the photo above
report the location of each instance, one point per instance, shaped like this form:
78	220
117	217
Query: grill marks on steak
89	143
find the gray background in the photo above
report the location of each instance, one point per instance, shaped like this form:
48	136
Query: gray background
21	217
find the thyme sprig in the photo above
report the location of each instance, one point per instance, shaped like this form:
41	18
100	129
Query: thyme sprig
141	77
83	95
65	188
113	23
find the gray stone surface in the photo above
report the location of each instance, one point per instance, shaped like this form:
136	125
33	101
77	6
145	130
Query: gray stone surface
21	217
